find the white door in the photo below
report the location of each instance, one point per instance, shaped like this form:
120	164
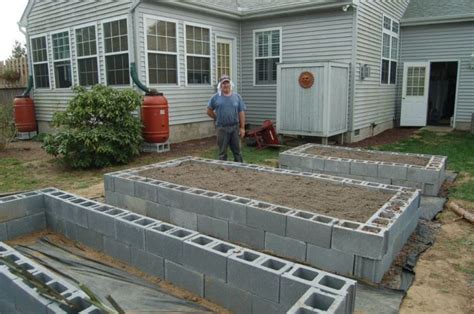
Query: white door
225	58
416	76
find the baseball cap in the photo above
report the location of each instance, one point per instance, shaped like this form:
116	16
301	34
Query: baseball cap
224	78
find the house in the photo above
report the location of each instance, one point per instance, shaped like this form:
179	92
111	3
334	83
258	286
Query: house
182	47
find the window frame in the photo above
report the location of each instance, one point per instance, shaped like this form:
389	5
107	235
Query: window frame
106	54
254	57
211	62
391	35
62	60
99	80
47	62
178	76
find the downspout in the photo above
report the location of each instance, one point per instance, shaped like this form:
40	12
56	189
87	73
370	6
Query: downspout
355	33
29	87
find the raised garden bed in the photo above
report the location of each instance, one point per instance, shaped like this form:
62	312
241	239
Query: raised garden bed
424	172
304	216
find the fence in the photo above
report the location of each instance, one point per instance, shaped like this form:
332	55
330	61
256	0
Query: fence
14	66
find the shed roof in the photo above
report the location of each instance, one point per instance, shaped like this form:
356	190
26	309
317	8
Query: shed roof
419	10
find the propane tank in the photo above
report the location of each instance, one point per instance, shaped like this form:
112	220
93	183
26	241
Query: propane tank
25	117
155	117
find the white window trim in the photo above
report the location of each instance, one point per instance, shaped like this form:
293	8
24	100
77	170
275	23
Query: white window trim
392	34
46	38
64	59
233	65
178	76
254	58
186	54
88	57
106	54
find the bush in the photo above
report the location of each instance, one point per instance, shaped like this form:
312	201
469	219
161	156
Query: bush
7	125
97	129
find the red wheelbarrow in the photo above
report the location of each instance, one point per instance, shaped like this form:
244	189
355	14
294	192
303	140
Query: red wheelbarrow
264	136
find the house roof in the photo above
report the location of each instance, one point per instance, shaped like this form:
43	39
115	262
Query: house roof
438	11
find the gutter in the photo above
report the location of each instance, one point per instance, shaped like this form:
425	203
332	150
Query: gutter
437	20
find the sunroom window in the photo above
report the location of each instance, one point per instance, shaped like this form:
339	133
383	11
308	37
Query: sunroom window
390	42
198	55
39	52
116	52
62	60
86	46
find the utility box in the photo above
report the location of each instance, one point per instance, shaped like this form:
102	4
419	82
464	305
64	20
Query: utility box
313	99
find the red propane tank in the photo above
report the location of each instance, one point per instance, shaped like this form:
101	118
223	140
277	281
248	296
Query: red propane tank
155	118
25	117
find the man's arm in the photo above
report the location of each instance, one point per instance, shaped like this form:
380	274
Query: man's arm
242	123
211	113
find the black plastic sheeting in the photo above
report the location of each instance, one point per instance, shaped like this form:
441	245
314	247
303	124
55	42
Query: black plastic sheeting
131	293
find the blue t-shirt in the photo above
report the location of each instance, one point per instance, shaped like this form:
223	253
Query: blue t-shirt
227	108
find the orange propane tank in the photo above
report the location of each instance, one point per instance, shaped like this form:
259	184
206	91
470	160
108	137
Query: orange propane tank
155	118
25	117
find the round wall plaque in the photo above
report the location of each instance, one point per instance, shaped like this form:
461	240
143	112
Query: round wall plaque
306	79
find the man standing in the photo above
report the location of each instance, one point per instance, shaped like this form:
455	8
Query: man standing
228	111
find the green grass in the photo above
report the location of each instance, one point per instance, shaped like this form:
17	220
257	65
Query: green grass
15	176
267	156
458	146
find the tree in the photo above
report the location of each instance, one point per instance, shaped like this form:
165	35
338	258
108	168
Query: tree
18	51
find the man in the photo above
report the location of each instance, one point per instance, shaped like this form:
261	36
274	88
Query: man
228	111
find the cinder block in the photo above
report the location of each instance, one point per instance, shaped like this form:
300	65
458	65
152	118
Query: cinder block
423	174
247	236
329	259
90	238
27	300
263	306
231	208
183	218
407	183
184	278
157	211
363	168
317	301
267	217
124	185
55	223
230	297
296	282
257	273
285	246
392	171
26	225
109	183
212	226
200	201
118	250
10	208
3	231
134	204
146	189
148	263
70	230
130	229
207	255
311	228
171	195
74	212
338	165
112	198
431	189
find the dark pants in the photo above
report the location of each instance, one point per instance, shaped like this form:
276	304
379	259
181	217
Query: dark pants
228	136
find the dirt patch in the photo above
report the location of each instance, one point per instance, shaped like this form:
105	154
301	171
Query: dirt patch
335	200
386	137
361	155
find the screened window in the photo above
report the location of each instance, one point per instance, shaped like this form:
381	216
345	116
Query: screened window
116	52
198	55
62	61
162	52
39	52
86	45
390	43
267	55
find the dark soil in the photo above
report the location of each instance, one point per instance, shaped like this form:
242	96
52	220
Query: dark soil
335	200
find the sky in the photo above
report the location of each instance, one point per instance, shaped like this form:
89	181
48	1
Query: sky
10	14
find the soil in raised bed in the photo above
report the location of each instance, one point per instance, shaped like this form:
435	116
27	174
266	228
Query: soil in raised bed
335	200
365	155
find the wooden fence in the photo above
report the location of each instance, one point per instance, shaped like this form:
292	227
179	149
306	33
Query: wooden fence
19	66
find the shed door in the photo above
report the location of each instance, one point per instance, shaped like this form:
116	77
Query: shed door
415	94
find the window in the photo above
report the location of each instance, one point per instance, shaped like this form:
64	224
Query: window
198	55
116	52
224	58
62	61
86	45
39	52
415	81
267	46
162	52
390	40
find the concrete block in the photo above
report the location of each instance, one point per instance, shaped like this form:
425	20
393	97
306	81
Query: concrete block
338	165
329	259
118	250
167	241
295	283
74	211
109	183
10	208
230	297
183	218
70	230
200	201
124	185
207	256
146	189
171	195
257	273
134	204
55	223
157	211
27	300
363	168
102	219
392	171
285	246
263	306
130	229
148	263
431	189
26	225
423	174
317	301
212	226
231	208
90	238
112	198
81	305
247	236
3	231
311	228
267	217
184	278
407	183
288	160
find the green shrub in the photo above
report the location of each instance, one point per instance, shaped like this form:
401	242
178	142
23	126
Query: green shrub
97	129
7	125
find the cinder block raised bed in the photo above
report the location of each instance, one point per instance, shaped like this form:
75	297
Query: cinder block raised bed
350	227
240	279
424	172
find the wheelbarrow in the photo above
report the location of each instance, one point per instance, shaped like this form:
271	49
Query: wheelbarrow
264	136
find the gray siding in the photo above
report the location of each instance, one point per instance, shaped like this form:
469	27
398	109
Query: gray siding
444	42
324	36
438	8
373	102
187	103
